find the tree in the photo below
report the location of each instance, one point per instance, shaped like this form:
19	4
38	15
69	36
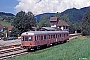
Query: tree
76	26
24	22
65	18
71	28
86	24
15	32
44	23
58	15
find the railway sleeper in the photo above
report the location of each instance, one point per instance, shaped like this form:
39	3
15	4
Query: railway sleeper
12	55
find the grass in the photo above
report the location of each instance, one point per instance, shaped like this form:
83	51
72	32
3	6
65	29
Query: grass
77	49
4	23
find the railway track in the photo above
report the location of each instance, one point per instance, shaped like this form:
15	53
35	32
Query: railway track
12	52
6	47
72	36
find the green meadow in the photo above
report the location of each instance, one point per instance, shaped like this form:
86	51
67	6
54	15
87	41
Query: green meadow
4	23
76	49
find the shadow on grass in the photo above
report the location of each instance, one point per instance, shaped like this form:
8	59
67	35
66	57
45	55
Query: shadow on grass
44	47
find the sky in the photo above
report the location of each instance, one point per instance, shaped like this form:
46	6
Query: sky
41	6
8	6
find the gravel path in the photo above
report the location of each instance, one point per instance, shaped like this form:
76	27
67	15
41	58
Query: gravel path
10	42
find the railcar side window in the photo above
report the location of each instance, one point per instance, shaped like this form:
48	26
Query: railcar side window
30	38
56	35
67	34
26	38
49	36
41	37
44	36
35	38
64	35
60	35
53	36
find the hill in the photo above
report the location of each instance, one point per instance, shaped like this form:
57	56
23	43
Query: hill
77	49
6	16
40	15
75	15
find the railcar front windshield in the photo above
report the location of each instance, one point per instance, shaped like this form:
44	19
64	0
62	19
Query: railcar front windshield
30	38
26	38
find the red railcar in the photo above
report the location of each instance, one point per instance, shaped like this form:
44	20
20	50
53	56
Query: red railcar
33	39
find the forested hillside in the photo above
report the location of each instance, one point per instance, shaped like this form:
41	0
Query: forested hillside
75	15
6	16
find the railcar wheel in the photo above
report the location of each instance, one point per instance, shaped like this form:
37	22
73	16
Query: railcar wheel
65	41
38	47
61	42
56	43
28	49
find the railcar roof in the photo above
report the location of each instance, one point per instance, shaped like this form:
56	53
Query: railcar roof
44	32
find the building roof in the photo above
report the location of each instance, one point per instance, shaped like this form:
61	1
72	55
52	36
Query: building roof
53	18
49	28
9	28
62	23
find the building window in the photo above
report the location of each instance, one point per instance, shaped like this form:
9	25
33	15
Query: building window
66	27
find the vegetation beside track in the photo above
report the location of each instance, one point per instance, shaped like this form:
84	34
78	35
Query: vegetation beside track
76	49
